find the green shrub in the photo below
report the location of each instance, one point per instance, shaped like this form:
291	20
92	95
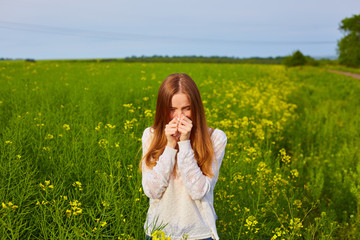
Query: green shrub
297	59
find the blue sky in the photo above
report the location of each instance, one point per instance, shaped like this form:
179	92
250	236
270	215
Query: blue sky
44	29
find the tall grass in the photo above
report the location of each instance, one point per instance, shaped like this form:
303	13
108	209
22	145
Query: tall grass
70	146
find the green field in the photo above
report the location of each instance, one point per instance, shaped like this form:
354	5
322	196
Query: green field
70	145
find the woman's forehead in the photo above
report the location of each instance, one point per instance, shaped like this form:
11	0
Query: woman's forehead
180	99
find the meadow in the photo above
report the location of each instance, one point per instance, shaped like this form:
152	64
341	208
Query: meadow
70	145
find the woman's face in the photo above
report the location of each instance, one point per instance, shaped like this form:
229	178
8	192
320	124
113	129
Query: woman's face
180	104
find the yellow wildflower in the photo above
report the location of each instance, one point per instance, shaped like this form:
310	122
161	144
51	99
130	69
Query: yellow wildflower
66	126
294	173
159	235
295	224
297	203
103	143
46	148
77	185
127	105
64	197
105	204
110	126
49	136
97	128
68	212
148	113
46	186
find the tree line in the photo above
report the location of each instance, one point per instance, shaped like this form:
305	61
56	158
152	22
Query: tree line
203	59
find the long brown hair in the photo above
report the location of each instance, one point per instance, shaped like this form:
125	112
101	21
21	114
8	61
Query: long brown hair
199	138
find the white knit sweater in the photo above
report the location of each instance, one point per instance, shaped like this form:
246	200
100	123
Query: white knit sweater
183	201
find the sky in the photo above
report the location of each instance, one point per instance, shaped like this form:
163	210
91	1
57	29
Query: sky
79	29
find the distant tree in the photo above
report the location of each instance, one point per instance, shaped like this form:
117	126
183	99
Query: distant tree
349	45
311	61
297	59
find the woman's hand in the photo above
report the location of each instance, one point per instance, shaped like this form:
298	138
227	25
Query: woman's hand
171	132
185	126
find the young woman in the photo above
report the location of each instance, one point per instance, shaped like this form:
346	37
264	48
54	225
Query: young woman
180	163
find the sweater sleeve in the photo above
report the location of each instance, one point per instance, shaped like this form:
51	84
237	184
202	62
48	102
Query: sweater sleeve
195	182
156	180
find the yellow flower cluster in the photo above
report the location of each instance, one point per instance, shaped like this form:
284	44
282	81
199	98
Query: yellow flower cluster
64	197
46	148
125	236
251	223
103	143
97	128
105	204
75	208
284	157
46	186
110	126
297	203
49	136
130	106
278	232
43	202
263	169
77	185
148	113
159	235
129	124
295	224
66	126
9	205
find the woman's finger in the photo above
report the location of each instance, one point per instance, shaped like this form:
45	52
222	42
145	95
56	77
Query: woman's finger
185	123
173	125
174	120
184	129
170	132
186	119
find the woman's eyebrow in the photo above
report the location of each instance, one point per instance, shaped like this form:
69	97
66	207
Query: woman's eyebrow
182	107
